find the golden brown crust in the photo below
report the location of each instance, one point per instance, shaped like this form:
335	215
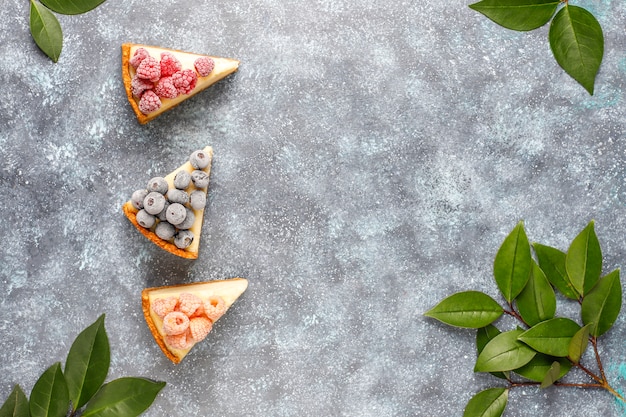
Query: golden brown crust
145	305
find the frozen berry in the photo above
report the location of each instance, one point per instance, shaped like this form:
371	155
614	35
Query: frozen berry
139	55
214	307
197	199
175	323
149	69
163	306
179	341
199	160
204	65
165	231
137	198
183	239
165	88
185	80
182	180
154	203
169	64
199	328
145	219
158	184
149	102
200	178
162	216
139	85
190	219
177	196
189	303
175	213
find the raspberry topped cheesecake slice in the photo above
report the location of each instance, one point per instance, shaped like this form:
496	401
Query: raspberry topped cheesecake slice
158	79
170	209
179	316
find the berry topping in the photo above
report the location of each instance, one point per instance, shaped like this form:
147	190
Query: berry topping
200	178
175	323
137	198
214	307
177	196
179	341
138	56
139	85
169	64
204	65
164	230
185	80
175	213
165	88
149	102
183	239
199	160
199	328
145	219
197	199
189	303
154	203
162	216
182	180
149	69
158	184
190	218
163	306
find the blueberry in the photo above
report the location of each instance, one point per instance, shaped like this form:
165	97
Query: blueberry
145	219
165	231
190	218
182	180
183	239
177	196
154	203
200	179
175	213
197	199
158	184
162	215
137	198
199	160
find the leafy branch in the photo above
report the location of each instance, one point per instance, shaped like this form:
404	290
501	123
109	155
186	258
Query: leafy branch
79	389
543	347
575	36
45	27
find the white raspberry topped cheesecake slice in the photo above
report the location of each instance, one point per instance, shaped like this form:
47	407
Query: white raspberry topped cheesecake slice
179	316
170	209
157	79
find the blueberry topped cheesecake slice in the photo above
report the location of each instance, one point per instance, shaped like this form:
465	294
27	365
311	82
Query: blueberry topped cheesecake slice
170	209
157	79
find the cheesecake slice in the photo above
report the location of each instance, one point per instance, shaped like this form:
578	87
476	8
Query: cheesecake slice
185	189
179	316
168	77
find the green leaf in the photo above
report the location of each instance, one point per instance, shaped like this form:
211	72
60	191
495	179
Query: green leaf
552	263
123	397
579	343
504	353
512	264
602	305
16	405
488	403
552	375
584	260
470	309
72	6
538	367
46	30
537	302
87	363
521	15
577	43
49	396
551	337
484	336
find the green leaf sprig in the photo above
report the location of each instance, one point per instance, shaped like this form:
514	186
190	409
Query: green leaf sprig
79	389
45	27
575	36
544	347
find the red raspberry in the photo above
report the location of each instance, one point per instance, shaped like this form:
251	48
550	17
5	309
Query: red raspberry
165	88
149	102
139	85
140	55
149	69
204	65
199	328
185	80
169	64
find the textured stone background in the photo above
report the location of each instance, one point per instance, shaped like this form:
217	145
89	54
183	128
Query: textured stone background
369	159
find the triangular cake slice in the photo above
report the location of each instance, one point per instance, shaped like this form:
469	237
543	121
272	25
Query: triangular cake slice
168	77
156	210
179	316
